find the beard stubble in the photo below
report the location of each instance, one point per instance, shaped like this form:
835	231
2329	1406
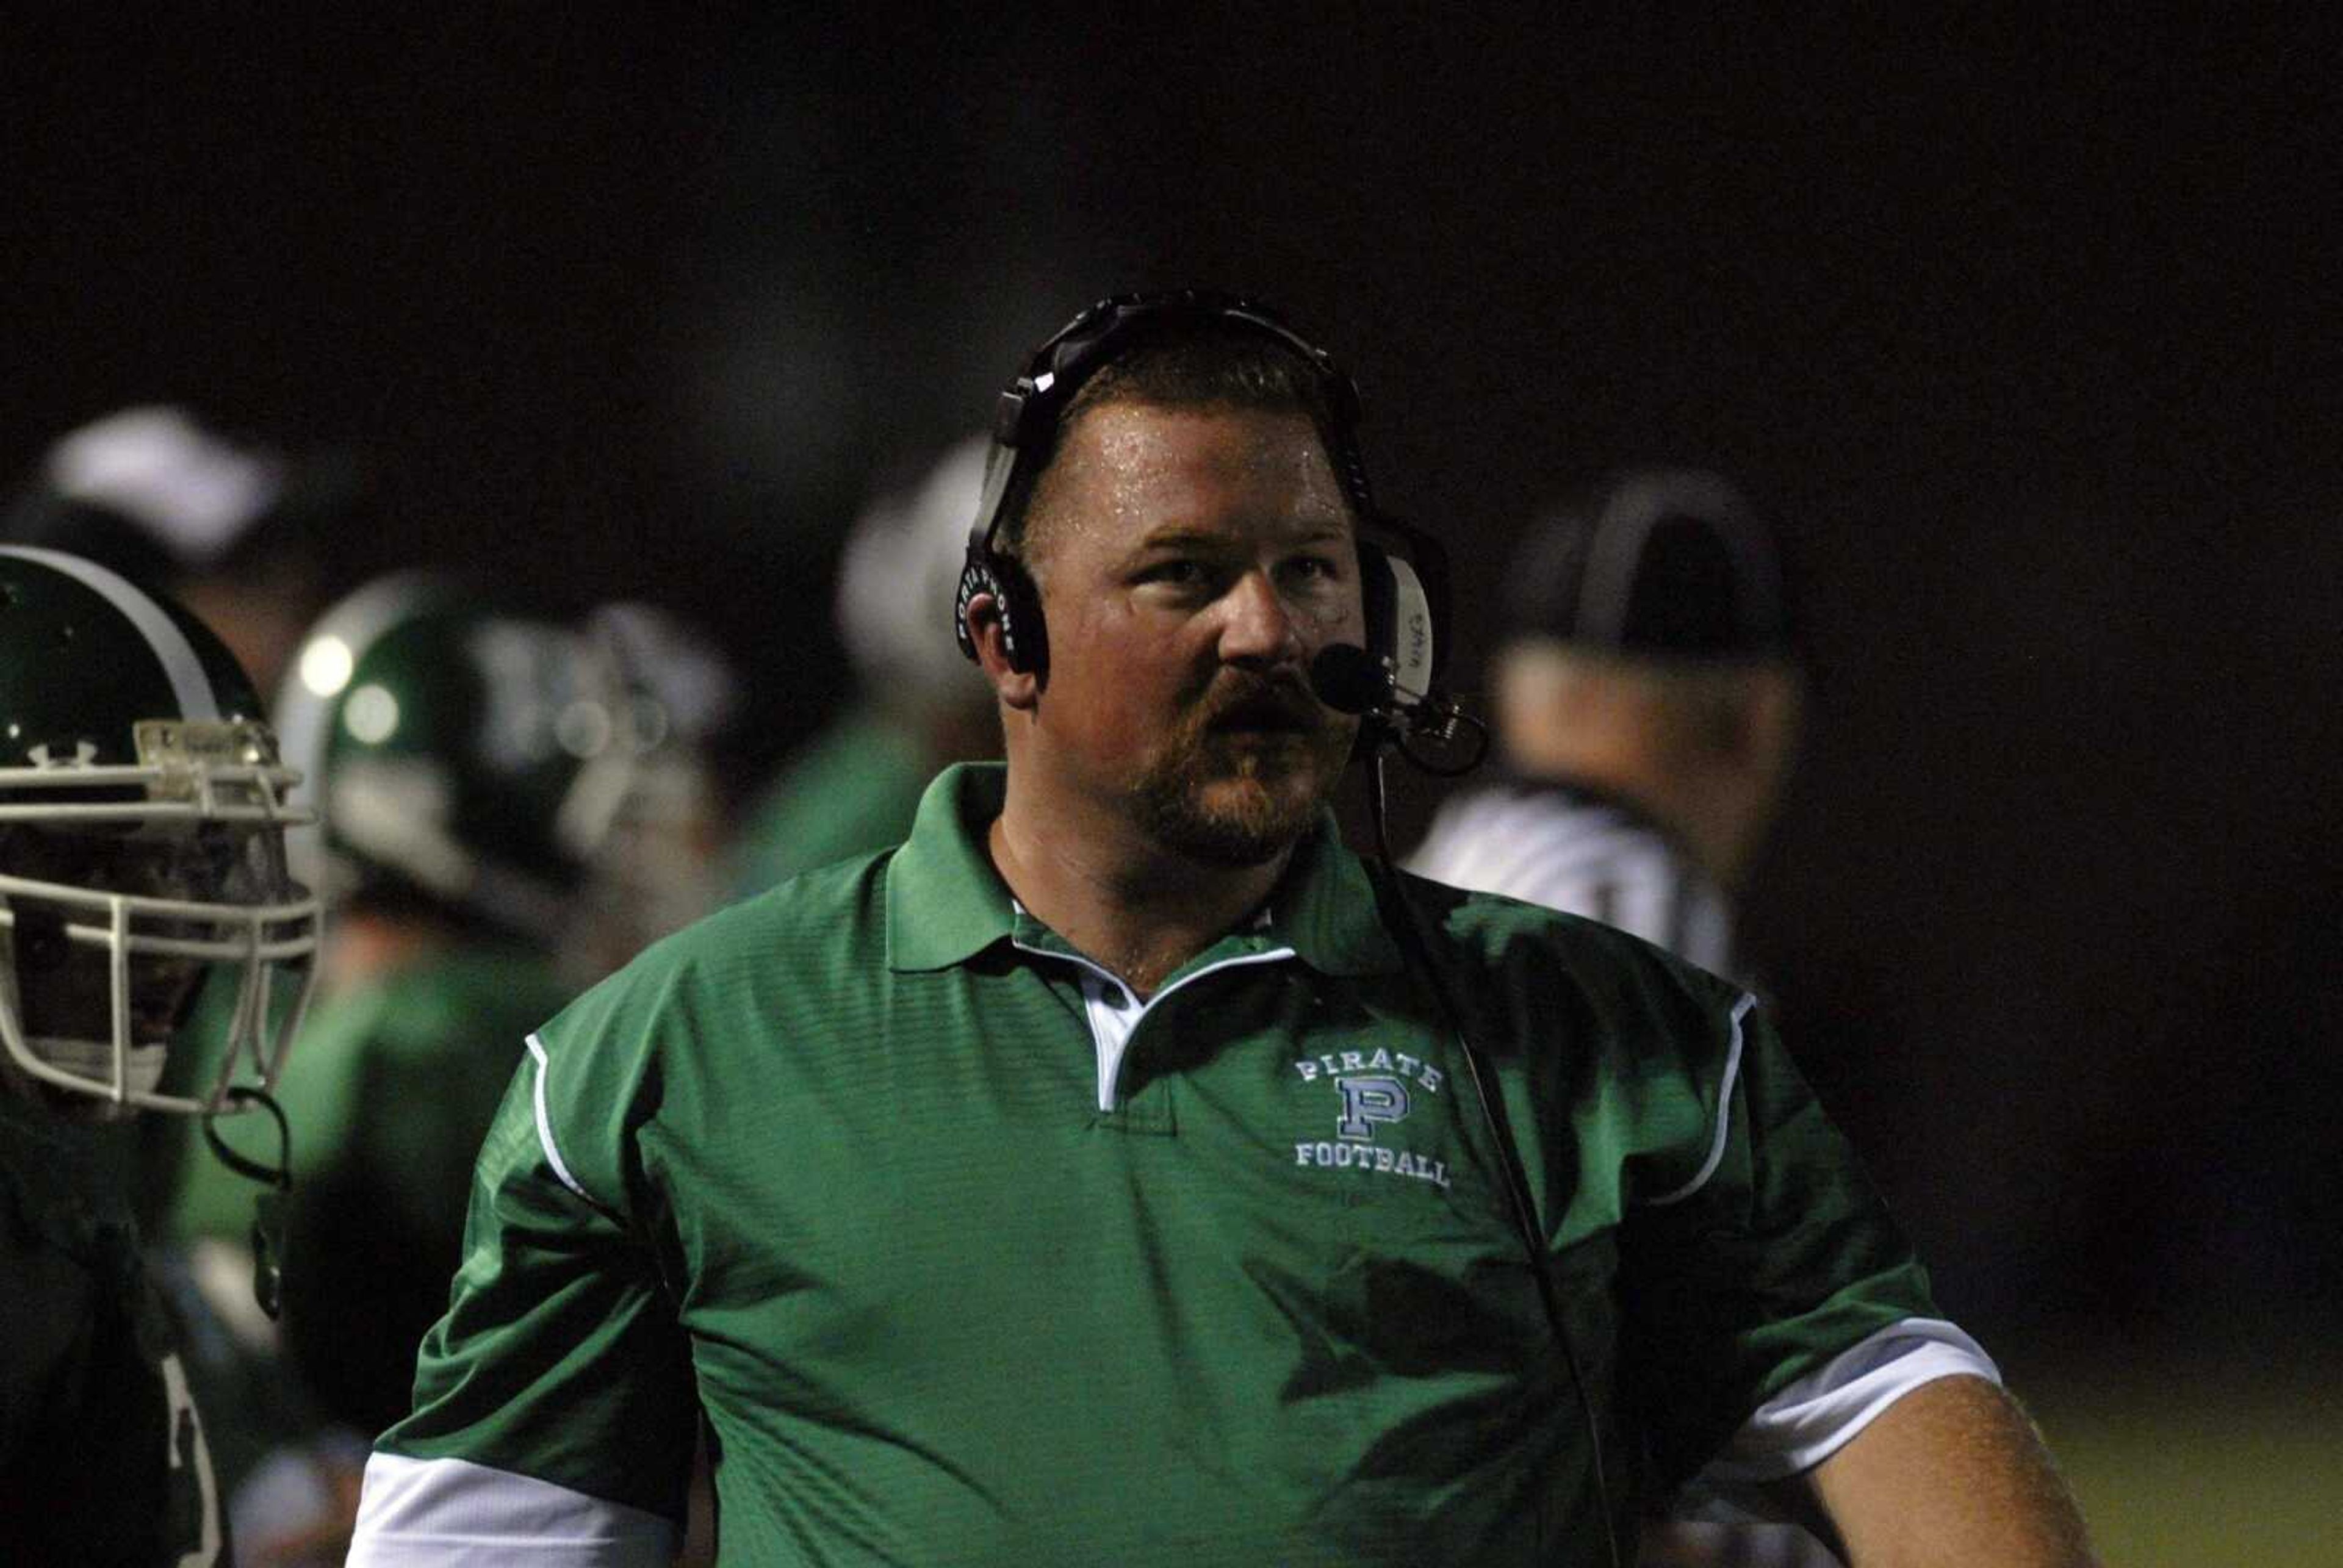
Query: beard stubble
1240	797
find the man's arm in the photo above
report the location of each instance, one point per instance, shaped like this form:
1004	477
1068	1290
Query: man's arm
1951	1473
554	1404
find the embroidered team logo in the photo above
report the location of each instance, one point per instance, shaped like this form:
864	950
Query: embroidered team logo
1374	1091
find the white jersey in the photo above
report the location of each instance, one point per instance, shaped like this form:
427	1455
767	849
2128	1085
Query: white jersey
1582	853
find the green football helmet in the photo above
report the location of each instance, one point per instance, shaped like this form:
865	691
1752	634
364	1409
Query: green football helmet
143	815
654	870
465	758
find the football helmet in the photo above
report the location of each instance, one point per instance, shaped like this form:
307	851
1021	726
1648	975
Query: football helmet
143	813
653	860
465	758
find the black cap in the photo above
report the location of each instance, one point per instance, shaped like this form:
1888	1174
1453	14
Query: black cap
1666	563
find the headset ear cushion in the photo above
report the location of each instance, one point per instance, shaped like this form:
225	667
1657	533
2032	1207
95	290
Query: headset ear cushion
1400	628
975	578
1413	632
1014	599
1021	634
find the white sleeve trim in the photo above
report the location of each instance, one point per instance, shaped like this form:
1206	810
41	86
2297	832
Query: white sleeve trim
1723	1114
545	1127
453	1514
1818	1415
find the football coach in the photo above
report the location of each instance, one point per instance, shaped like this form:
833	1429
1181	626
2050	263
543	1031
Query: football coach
1120	1171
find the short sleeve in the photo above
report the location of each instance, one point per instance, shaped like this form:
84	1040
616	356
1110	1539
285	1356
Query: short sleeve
560	1360
1773	1256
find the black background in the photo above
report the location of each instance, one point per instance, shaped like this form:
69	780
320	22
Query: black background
2026	336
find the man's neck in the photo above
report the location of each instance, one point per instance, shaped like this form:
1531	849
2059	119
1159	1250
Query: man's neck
1136	907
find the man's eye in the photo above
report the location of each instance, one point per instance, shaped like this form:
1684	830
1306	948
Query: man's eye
1178	573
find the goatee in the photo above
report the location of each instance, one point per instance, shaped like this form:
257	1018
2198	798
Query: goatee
1241	798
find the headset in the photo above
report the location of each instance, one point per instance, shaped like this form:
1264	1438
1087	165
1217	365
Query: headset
1406	613
1405	590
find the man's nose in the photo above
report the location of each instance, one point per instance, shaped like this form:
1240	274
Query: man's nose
1261	629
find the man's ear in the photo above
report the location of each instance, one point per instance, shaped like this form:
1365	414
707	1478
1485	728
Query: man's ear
1020	689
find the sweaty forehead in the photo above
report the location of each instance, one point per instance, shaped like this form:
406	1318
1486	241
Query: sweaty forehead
1128	467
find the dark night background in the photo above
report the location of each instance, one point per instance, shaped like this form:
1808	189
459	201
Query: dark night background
2026	336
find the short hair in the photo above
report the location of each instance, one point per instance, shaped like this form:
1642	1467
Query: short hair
1187	363
1690	709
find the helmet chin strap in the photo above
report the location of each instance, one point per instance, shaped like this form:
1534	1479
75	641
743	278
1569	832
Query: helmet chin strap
268	1205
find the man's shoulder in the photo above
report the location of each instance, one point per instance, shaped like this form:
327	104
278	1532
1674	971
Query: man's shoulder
836	905
1538	803
825	923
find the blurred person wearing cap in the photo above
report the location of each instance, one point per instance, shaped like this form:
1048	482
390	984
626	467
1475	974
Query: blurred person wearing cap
237	531
1647	706
1647	703
855	786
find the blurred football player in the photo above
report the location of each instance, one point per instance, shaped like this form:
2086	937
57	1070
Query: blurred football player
240	534
457	754
655	829
143	811
855	786
464	761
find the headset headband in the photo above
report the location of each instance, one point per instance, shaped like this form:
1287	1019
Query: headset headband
1406	600
1030	407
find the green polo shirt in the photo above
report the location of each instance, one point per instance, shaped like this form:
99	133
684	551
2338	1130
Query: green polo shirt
856	1169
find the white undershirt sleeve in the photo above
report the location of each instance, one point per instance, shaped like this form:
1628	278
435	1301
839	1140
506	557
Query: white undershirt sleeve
453	1514
1816	1416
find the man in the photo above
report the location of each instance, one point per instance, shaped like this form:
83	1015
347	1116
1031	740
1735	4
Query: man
463	760
1094	1177
1647	707
142	818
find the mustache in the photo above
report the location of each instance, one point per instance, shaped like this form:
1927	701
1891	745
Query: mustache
1274	702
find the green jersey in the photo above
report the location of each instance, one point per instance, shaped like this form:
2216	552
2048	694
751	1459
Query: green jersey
966	1254
102	1452
854	788
389	1092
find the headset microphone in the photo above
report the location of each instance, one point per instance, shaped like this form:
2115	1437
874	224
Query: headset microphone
1349	680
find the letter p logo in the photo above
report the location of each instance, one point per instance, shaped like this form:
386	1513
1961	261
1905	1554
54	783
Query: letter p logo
1367	1102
